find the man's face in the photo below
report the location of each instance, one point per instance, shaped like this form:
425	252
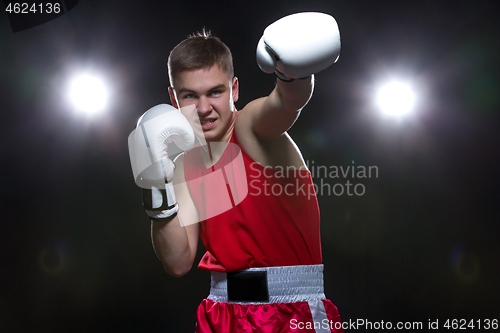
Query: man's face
213	94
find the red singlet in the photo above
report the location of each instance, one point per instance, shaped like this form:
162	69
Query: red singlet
276	224
253	216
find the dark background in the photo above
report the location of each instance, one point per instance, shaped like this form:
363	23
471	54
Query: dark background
421	243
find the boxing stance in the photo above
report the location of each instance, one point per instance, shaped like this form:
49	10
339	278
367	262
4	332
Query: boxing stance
264	252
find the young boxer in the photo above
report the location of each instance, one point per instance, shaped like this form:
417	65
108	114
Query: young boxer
263	247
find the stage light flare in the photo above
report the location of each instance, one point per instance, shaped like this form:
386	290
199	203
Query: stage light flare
88	93
396	98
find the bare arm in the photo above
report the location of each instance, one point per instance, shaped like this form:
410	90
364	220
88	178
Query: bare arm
293	47
174	244
270	117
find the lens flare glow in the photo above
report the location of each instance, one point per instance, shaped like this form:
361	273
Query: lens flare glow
88	93
396	98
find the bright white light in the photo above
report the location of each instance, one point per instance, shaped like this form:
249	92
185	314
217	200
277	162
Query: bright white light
396	98
88	93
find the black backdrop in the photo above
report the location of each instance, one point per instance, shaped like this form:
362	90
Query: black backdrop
419	245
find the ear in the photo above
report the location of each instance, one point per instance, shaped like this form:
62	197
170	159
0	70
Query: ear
235	89
173	98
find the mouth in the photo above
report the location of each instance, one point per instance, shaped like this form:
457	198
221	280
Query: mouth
207	123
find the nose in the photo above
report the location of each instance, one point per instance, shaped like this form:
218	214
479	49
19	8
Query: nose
204	107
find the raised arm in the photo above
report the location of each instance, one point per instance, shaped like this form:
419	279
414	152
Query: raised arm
294	48
273	115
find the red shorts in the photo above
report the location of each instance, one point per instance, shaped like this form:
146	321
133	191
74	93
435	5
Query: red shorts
295	303
265	318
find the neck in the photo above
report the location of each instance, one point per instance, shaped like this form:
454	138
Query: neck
213	150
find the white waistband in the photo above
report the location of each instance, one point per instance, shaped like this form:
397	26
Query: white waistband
286	284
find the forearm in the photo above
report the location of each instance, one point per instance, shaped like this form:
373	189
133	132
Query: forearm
293	96
172	246
279	111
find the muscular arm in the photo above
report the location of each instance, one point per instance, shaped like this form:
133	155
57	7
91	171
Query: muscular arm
270	117
292	47
174	244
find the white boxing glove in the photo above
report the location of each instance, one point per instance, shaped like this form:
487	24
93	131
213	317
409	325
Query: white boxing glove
299	45
152	168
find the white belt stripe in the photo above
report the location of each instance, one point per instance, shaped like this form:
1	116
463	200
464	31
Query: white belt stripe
286	284
319	317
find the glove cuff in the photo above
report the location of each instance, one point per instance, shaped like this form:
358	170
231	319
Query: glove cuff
164	215
282	76
159	201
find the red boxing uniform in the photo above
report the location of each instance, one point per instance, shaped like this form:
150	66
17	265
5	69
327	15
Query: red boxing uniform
252	217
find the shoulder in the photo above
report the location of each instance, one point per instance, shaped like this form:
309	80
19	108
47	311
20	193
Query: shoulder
278	151
247	115
244	125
